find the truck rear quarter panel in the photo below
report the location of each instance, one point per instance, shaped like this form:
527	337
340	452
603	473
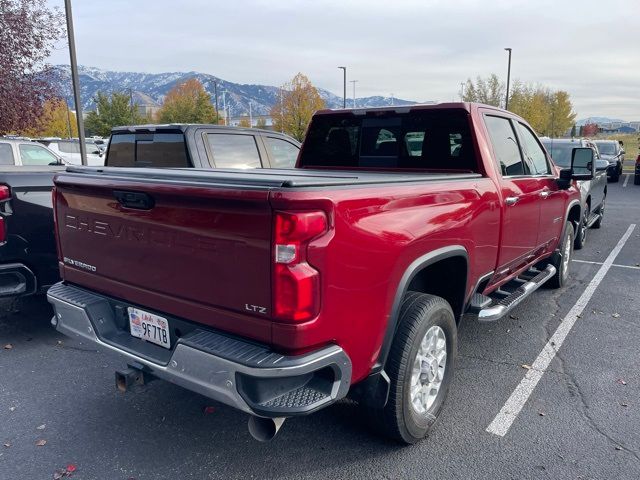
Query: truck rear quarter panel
375	234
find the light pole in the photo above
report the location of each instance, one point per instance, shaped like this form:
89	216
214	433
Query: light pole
215	89
74	81
392	99
250	115
224	106
462	91
344	86
354	91
506	101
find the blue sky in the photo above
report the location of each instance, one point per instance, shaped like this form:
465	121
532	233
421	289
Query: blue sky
418	50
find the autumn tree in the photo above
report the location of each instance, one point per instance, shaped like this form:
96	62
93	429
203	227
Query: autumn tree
56	120
261	123
29	30
112	111
293	111
490	91
244	122
187	102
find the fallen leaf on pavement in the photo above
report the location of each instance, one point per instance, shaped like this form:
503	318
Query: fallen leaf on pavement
526	367
621	381
542	414
7	444
41	427
618	448
616	315
209	410
58	474
624	404
41	443
11	409
8	346
513	317
71	468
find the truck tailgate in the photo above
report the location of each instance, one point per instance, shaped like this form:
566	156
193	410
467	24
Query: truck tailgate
183	247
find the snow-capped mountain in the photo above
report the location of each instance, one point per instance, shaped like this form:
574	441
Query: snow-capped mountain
151	88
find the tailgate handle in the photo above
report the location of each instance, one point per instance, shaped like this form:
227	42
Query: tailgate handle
139	200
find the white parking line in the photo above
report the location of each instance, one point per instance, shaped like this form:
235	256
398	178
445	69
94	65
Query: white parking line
626	179
613	265
509	412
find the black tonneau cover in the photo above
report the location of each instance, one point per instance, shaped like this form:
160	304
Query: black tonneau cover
261	178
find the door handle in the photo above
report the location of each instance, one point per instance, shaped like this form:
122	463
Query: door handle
545	193
138	200
511	200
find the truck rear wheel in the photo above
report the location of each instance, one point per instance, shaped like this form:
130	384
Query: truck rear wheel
420	367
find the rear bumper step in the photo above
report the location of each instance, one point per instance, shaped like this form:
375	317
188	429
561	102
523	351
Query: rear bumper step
239	373
508	303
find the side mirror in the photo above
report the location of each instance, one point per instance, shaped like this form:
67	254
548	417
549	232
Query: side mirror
582	163
622	151
601	165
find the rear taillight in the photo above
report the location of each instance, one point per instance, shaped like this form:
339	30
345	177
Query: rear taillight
5	196
296	285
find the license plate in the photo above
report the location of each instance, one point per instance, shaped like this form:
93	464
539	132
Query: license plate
150	327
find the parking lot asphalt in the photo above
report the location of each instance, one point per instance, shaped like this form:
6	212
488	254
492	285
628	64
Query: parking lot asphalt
581	421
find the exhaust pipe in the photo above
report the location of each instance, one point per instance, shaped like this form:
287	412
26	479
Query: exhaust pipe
264	429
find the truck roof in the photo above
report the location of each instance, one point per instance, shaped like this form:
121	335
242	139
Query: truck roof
184	127
405	108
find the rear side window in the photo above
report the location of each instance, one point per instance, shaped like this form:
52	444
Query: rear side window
283	153
36	155
425	140
234	150
505	146
69	147
157	150
6	154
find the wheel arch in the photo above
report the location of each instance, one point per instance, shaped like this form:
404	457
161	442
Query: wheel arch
418	276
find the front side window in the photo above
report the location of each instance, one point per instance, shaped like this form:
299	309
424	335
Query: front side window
534	153
234	150
283	153
36	155
505	146
6	154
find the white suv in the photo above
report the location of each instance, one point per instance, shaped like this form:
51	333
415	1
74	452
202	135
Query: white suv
26	153
69	150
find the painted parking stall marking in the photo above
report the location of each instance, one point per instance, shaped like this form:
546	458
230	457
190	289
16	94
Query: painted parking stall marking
502	422
626	180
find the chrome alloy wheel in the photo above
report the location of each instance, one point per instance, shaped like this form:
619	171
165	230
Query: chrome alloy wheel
428	370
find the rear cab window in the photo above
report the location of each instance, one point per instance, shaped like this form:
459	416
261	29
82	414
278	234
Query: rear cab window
416	140
148	149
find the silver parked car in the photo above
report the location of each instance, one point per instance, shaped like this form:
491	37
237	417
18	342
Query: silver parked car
21	152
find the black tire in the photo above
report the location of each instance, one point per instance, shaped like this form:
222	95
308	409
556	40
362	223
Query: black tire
399	419
581	234
614	178
636	179
562	268
598	222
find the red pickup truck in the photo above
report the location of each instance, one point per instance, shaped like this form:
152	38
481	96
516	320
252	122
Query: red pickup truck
279	292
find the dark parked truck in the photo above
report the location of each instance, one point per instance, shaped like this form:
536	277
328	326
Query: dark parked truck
28	258
279	292
200	146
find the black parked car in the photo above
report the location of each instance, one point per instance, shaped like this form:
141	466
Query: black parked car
612	152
